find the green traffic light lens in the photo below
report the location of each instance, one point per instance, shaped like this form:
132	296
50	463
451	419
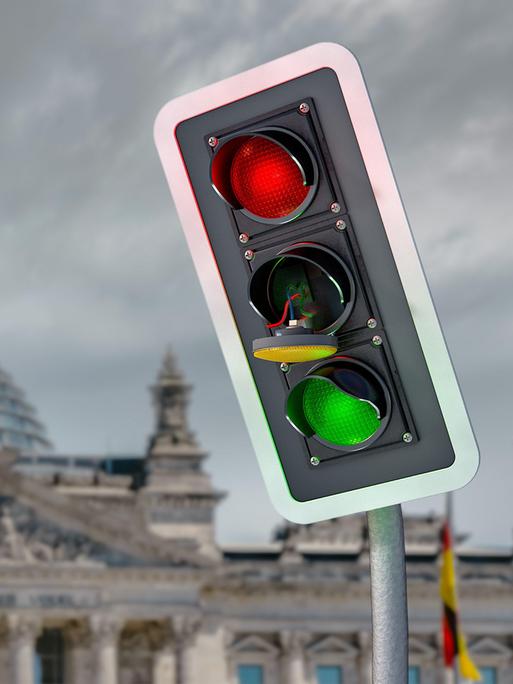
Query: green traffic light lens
342	403
337	417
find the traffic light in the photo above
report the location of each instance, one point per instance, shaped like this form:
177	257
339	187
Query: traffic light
299	238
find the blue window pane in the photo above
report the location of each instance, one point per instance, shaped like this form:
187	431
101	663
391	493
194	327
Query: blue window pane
414	674
489	675
329	674
251	674
38	674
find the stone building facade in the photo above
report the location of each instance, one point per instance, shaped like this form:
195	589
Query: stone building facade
110	574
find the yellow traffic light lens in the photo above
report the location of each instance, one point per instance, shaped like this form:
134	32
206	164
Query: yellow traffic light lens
295	353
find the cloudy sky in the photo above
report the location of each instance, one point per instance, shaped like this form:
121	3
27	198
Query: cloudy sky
95	277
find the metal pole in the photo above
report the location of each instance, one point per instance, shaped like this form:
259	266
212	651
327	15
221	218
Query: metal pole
388	596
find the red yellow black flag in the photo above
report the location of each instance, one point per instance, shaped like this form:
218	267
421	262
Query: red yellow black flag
454	640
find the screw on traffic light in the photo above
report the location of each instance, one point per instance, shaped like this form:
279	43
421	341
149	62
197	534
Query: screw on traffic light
295	224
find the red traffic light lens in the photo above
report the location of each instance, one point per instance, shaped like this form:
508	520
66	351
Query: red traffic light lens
269	174
266	180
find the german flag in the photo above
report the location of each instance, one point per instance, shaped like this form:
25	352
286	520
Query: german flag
454	641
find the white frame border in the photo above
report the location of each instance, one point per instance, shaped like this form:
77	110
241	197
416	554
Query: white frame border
344	64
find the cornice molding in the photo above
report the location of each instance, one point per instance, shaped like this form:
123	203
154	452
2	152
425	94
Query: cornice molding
75	575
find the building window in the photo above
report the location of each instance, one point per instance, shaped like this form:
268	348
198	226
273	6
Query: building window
49	657
489	675
251	674
414	674
328	674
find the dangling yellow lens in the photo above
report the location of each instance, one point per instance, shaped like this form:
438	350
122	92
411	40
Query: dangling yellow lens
295	353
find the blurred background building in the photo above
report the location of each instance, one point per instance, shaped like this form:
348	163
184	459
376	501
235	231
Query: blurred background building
19	427
110	573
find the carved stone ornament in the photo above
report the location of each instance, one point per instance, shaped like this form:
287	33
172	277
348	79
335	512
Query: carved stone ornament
105	629
26	537
293	642
23	629
79	634
186	628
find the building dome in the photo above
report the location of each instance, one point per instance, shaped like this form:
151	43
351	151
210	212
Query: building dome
19	427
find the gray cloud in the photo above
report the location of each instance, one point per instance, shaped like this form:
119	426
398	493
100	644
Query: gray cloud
94	273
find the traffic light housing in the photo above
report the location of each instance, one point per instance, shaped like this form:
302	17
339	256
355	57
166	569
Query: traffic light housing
315	288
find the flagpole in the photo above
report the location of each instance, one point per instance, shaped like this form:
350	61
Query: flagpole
454	677
450	675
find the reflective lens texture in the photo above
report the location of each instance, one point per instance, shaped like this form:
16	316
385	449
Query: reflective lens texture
337	417
266	180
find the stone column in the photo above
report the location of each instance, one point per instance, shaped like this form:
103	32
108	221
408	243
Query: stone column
80	644
292	657
365	658
23	631
164	660
105	631
185	629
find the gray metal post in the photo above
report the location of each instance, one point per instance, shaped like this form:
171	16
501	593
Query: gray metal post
388	596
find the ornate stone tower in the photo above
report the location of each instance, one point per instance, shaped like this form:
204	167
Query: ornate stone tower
179	498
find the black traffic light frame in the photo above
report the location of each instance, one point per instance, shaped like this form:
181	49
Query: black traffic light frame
394	468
